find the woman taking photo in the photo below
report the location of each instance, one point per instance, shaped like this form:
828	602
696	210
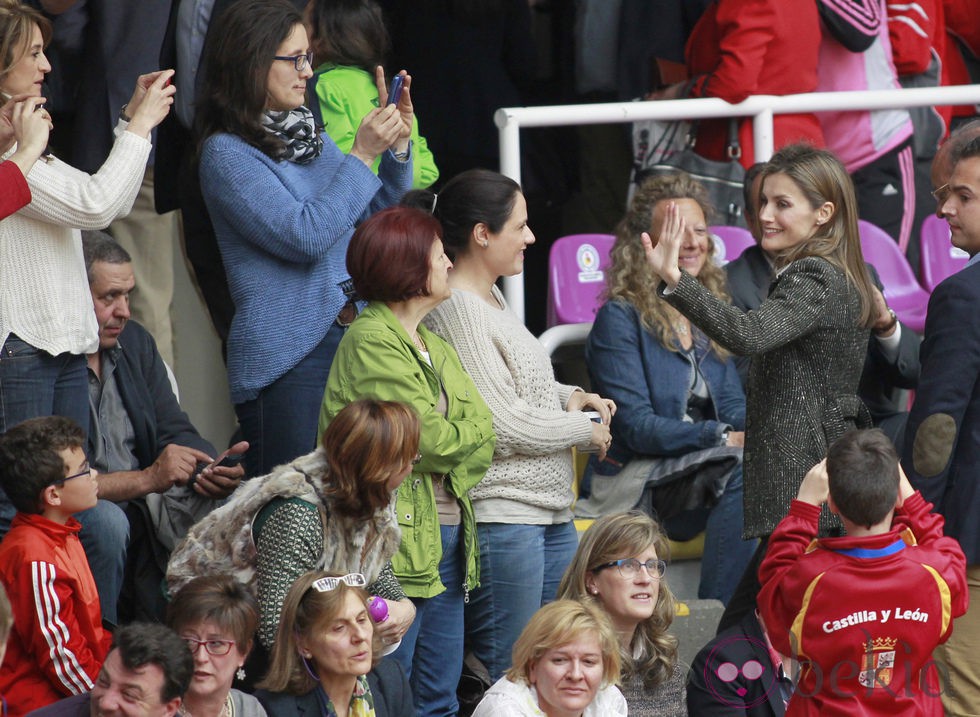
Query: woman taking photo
330	509
284	202
565	665
807	340
619	567
523	504
326	657
397	261
682	409
46	321
216	616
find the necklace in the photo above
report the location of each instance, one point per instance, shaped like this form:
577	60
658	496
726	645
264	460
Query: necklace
419	343
227	709
682	329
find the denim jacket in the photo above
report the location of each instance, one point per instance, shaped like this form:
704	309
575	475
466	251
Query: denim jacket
650	386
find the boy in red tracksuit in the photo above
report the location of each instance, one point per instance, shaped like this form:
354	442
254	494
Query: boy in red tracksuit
57	644
863	613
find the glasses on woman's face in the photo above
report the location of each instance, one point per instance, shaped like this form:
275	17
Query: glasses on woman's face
325	585
215	648
300	62
629	567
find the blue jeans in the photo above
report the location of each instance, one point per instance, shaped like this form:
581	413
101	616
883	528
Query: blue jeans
105	537
280	423
34	383
725	553
431	652
520	568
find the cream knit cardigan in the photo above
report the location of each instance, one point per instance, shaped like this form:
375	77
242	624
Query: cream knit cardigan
44	295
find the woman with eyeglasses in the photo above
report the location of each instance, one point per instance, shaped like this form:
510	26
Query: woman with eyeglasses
284	201
216	616
330	509
327	659
397	261
620	566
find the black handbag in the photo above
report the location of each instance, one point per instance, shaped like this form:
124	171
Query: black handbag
722	179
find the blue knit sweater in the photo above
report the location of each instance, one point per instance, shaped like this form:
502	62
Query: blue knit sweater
283	229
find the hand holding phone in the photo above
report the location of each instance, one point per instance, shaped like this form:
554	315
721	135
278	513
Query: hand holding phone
395	89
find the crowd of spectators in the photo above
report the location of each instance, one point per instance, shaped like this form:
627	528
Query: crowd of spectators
399	499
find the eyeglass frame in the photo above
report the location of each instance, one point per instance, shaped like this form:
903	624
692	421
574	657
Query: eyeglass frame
325	585
86	472
198	644
941	194
295	59
620	564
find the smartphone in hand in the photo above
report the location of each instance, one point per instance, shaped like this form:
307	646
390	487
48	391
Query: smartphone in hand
395	90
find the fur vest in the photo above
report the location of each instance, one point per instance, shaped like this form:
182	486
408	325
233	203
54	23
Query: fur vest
223	542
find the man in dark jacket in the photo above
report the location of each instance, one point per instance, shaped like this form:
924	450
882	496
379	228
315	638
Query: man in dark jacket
144	446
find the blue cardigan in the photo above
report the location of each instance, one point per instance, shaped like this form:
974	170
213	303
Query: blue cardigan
650	386
283	229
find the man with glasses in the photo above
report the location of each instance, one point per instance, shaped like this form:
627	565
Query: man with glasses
148	453
146	674
58	643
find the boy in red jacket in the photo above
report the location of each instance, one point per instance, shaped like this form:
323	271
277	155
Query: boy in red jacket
57	643
862	613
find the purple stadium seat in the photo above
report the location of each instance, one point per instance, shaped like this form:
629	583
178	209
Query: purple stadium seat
940	258
735	240
904	295
576	277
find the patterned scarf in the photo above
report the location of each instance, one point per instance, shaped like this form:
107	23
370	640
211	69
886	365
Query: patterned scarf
297	129
361	702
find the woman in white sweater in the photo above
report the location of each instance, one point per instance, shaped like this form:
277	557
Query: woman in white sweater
523	504
46	320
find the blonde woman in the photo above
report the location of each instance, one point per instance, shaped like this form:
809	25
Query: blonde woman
565	665
676	449
619	567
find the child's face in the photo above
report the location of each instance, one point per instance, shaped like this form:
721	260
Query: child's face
81	489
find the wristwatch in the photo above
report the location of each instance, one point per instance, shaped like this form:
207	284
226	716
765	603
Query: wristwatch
891	324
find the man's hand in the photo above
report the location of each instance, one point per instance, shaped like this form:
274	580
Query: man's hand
221	481
814	488
174	466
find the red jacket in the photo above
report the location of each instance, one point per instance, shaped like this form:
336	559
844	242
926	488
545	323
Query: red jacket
14	192
863	615
740	48
962	34
57	643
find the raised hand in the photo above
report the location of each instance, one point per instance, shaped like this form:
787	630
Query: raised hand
662	254
151	101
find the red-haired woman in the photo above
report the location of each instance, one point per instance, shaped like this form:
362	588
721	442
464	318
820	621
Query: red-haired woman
397	261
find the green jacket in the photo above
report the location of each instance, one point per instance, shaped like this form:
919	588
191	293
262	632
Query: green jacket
377	358
345	94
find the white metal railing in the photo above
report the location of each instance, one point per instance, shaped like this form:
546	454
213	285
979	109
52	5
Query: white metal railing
761	108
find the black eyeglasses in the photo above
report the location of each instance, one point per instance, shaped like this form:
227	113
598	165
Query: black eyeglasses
629	567
300	62
86	470
215	648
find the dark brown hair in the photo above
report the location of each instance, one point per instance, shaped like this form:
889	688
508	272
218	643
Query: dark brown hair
235	67
388	256
30	460
862	475
366	444
349	32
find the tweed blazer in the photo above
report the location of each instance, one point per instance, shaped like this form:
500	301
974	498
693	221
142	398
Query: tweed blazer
808	351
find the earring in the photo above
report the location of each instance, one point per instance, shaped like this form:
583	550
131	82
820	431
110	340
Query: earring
240	675
485	244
